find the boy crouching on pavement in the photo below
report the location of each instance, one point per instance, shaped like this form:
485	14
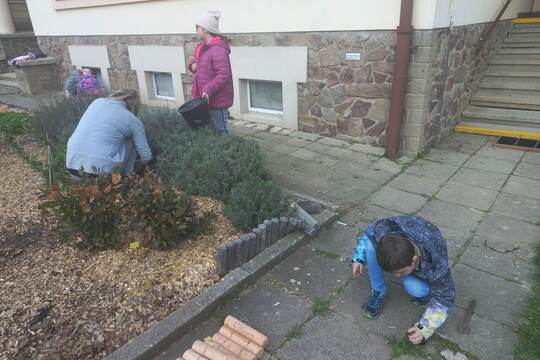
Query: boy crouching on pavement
414	249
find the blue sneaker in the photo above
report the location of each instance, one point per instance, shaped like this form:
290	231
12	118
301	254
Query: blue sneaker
373	307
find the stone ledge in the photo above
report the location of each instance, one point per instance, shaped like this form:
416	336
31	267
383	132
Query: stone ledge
25	34
160	336
37	62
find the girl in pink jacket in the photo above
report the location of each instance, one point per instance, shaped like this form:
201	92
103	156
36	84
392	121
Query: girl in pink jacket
212	70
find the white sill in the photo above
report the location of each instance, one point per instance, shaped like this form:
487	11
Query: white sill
162	101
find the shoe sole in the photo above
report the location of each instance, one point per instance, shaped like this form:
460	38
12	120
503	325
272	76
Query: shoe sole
369	316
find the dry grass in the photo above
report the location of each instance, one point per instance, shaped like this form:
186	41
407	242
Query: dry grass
97	300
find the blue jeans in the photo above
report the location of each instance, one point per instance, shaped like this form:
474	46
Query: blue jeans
414	286
220	120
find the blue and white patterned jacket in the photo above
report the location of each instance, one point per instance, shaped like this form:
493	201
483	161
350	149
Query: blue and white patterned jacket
433	265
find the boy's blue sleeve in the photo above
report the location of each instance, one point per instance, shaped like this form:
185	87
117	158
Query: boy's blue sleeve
359	254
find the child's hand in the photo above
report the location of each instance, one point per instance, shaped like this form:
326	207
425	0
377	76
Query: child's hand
415	335
357	269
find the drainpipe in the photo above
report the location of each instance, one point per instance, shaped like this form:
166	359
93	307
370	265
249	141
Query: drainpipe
399	82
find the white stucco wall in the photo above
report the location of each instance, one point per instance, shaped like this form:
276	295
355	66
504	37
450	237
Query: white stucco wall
179	16
466	12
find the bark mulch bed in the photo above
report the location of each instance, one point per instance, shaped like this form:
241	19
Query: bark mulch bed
57	302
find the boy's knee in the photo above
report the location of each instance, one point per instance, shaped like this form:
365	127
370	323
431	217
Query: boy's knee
415	287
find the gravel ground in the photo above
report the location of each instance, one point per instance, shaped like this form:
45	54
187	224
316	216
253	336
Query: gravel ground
57	302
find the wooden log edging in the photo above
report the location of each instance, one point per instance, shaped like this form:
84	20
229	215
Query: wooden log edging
237	252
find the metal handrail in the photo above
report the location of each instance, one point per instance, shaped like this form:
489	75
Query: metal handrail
494	24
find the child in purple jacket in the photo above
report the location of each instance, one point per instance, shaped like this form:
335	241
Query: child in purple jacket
212	70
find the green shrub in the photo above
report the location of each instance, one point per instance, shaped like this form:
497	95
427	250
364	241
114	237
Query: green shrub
255	200
52	120
92	207
163	216
12	123
206	163
163	128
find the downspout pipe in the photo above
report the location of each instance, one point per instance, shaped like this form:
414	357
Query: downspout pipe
399	82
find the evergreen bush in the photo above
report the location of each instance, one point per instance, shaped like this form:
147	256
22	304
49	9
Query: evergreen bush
254	200
209	164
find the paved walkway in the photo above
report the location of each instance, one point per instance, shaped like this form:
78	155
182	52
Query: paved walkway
486	202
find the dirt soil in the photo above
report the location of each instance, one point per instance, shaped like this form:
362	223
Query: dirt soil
57	302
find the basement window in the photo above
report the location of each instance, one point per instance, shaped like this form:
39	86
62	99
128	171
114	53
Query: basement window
265	97
163	85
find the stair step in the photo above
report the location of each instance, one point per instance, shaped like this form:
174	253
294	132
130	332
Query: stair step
512	83
531	44
8	76
527	21
506	100
533	33
513	117
516	59
526	30
474	127
519	51
513	71
519	39
9	82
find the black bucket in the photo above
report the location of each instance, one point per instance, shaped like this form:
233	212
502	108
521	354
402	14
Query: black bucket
196	112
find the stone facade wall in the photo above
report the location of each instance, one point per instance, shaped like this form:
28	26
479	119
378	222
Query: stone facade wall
442	80
348	99
39	77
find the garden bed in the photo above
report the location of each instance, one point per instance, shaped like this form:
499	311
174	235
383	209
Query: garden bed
97	300
60	300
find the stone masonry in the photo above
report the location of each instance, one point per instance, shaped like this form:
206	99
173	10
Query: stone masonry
442	80
345	99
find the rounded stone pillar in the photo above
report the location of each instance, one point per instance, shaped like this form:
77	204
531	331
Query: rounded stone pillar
6	21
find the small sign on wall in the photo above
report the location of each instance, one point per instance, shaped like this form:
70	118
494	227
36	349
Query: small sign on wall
352	56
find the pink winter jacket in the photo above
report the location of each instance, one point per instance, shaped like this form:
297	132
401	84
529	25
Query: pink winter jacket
214	75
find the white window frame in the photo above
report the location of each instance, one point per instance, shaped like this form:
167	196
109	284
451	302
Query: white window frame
75	4
92	56
263	110
173	98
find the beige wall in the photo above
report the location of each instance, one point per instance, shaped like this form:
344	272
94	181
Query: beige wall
179	16
466	12
536	6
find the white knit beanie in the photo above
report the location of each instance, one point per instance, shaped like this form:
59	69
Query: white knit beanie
210	21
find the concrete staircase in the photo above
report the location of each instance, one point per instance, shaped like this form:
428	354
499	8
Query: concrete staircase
508	97
9	84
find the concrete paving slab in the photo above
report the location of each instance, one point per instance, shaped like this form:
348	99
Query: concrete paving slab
467	195
271	137
488	339
468	138
523	186
305	154
270	310
243	130
297	142
528	170
283	149
334	142
371	213
332	337
446	157
532	157
394	199
368	149
336	238
490	164
386	165
176	350
416	184
432	169
518	207
497	299
504	228
458	147
485	179
456	240
339	153
451	215
311	274
508	266
318	147
305	135
398	315
493	152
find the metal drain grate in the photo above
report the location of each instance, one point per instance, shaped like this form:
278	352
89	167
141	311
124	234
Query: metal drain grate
518	143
